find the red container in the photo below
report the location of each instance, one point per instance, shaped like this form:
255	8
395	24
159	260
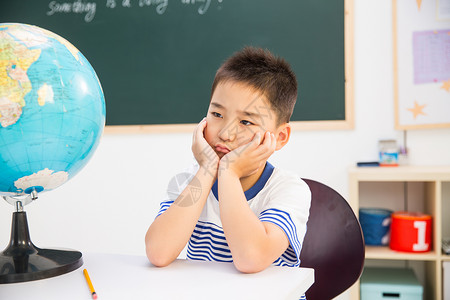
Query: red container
410	232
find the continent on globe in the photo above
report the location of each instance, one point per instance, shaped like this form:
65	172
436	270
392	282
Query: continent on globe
52	110
42	180
45	94
9	112
34	36
15	59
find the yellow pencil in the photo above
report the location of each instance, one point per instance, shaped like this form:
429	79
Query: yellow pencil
91	287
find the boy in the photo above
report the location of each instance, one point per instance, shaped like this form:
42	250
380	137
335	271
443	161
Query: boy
235	206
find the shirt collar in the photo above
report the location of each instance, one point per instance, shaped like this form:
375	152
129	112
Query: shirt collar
256	188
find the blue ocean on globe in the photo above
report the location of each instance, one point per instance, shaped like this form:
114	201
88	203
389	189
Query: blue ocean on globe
52	110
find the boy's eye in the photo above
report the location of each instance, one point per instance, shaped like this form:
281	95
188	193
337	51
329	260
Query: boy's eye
216	114
245	122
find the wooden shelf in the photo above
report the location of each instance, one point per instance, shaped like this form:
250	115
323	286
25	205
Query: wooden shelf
432	178
401	173
445	257
374	252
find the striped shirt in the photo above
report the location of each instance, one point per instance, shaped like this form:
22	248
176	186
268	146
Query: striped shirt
277	197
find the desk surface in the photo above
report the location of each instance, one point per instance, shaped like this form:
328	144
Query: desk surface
133	277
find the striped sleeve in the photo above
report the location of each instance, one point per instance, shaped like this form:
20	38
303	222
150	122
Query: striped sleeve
164	206
291	257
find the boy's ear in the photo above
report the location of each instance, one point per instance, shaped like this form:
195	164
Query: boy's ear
283	134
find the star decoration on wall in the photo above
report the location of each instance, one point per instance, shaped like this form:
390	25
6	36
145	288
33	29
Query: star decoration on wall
446	85
419	3
417	109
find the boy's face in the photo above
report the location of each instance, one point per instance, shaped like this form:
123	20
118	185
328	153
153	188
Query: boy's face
236	113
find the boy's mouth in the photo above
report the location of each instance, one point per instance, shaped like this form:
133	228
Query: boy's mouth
222	149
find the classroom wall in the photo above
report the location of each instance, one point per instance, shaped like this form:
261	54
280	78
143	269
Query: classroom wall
108	206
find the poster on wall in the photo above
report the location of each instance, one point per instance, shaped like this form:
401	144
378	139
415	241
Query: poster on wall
421	32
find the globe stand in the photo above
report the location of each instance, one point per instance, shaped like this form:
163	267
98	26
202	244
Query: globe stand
23	261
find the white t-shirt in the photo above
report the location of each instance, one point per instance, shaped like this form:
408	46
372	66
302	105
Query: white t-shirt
279	197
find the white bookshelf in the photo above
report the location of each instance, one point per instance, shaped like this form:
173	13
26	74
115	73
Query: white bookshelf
429	189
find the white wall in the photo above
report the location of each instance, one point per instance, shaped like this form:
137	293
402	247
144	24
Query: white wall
108	206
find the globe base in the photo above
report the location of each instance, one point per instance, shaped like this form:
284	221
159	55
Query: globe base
22	261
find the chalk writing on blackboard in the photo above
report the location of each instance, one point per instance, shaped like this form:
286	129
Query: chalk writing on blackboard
160	5
90	8
76	7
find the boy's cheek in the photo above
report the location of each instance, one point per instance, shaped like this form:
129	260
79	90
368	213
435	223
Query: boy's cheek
244	140
207	134
264	136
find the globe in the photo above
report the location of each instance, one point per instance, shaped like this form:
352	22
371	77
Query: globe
52	110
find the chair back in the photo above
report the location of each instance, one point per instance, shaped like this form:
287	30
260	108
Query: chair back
333	245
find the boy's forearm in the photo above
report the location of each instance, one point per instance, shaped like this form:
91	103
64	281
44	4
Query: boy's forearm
251	245
170	231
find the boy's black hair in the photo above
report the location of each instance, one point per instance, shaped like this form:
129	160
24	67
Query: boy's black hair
268	74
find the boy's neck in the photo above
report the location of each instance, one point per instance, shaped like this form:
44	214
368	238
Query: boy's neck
249	181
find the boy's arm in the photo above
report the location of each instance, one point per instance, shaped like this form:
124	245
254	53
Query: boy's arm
254	244
169	233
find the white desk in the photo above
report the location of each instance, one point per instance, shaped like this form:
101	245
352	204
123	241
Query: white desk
133	277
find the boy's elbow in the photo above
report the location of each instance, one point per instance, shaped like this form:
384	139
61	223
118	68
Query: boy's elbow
249	268
252	264
158	260
157	256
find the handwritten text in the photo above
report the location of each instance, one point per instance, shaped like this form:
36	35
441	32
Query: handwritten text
78	7
89	9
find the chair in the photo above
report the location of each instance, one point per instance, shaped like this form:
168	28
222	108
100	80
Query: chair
333	245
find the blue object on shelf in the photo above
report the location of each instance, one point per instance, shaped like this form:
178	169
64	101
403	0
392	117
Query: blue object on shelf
375	224
390	284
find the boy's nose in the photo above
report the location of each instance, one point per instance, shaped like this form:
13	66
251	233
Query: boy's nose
228	133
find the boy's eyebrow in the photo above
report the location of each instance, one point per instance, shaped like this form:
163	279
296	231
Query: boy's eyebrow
217	105
250	114
242	112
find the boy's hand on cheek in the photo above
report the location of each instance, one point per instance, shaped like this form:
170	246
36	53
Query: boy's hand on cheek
205	155
248	158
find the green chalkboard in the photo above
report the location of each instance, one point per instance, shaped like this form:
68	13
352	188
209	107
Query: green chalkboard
156	59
